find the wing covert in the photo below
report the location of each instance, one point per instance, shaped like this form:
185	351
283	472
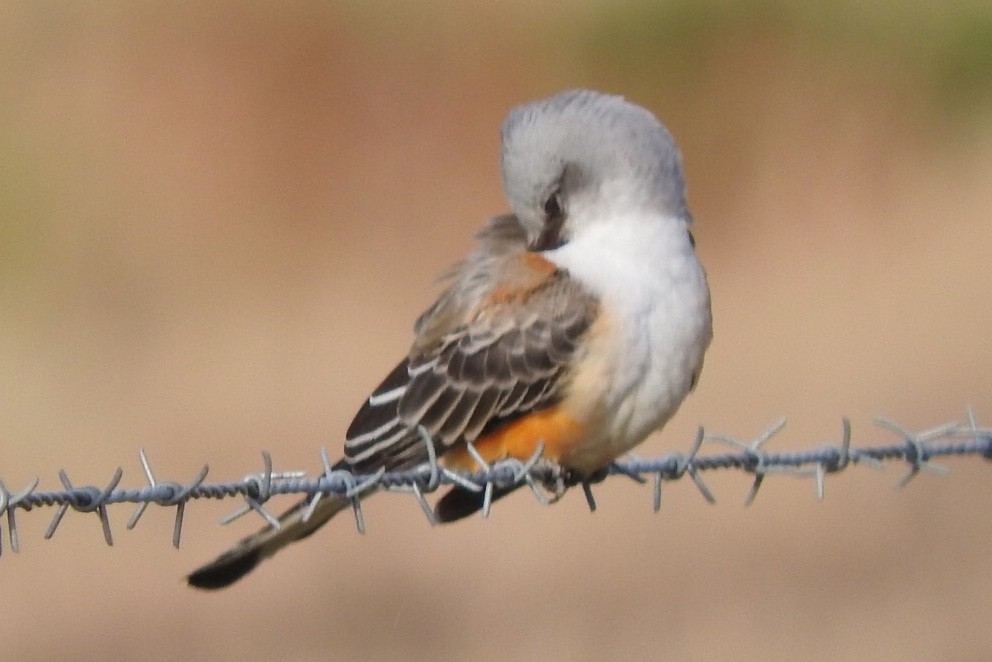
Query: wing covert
497	344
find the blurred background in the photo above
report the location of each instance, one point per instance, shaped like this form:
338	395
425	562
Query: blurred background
218	222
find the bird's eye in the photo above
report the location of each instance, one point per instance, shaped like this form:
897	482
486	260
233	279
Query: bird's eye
554	219
552	207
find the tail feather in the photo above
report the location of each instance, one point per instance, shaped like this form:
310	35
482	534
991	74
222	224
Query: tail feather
460	503
241	559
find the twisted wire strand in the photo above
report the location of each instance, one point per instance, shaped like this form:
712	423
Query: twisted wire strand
546	480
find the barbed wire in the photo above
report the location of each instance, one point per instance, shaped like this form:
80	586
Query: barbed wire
546	480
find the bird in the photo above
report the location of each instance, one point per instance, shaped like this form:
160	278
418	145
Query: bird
575	327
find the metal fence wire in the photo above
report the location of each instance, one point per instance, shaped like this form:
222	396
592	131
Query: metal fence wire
916	450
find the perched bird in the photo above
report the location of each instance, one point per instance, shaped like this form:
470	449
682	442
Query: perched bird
579	322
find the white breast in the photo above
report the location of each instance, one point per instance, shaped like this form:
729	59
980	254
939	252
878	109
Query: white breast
644	352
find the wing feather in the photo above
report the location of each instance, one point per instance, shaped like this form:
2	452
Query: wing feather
458	418
496	345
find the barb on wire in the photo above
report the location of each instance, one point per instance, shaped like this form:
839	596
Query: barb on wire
179	495
546	480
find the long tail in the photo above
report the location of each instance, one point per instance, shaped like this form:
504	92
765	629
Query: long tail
241	559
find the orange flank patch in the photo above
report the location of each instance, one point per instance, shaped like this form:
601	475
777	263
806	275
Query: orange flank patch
553	427
521	277
537	264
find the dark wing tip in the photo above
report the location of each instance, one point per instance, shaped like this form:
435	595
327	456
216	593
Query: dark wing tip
369	416
225	570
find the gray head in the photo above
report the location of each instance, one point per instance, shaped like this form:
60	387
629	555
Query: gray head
581	156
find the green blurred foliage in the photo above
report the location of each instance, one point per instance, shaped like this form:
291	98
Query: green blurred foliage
943	48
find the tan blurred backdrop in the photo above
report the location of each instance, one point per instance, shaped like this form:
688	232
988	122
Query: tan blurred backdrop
218	221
